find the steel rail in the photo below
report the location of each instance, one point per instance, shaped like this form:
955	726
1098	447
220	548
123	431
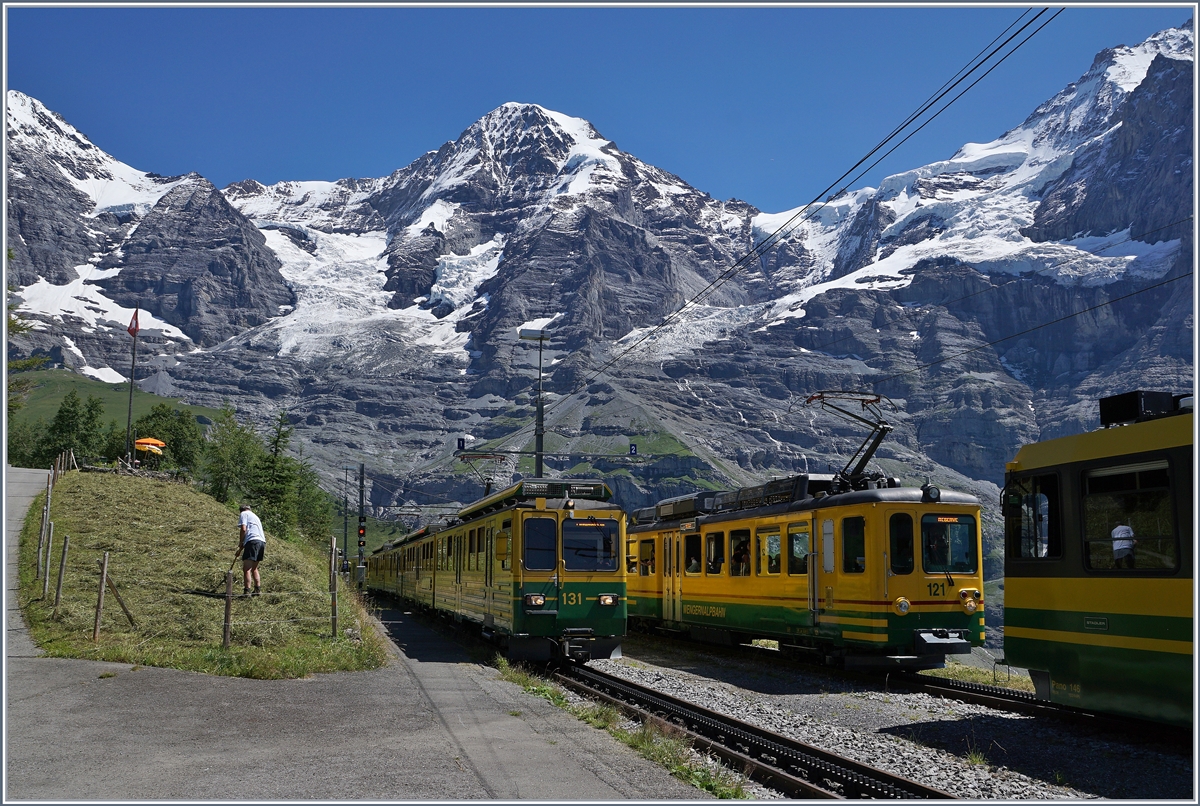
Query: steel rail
790	766
1014	700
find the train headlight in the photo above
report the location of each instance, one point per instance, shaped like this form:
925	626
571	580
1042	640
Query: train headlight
970	605
608	599
901	606
931	493
535	599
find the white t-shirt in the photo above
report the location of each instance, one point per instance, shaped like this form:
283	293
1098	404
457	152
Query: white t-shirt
1122	538
254	530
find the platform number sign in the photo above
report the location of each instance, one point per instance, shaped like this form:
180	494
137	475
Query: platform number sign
462	443
633	449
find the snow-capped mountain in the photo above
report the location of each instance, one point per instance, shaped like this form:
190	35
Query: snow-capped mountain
383	313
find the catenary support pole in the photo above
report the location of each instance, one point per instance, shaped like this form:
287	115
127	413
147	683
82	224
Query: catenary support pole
62	570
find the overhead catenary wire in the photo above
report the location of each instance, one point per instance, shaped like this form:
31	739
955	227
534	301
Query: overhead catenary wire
962	75
761	425
795	220
804	211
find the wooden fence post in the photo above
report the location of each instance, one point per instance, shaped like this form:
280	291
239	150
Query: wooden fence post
46	576
62	568
228	607
45	513
41	546
333	591
112	586
100	597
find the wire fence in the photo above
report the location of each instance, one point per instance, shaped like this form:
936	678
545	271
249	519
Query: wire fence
108	586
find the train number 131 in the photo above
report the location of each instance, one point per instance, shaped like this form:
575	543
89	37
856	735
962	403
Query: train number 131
937	588
572	598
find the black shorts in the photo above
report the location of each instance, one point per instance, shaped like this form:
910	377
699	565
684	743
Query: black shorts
253	551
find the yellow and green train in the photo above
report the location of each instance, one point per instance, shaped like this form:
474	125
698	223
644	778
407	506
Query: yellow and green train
536	566
1099	556
868	575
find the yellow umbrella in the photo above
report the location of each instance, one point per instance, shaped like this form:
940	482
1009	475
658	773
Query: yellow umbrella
151	448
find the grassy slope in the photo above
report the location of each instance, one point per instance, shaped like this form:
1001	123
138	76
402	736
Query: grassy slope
54	384
165	539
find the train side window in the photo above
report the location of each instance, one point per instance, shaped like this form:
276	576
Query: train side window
827	560
646	558
691	554
1129	518
502	542
1031	517
540	537
901	558
767	556
714	557
471	548
854	545
630	556
739	553
504	549
798	548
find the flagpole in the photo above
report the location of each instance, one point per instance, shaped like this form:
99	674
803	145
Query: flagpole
133	331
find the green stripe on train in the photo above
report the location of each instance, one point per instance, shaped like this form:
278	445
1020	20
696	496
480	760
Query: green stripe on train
797	621
1134	682
577	606
1169	628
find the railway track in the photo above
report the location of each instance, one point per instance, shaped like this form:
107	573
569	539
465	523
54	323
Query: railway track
1008	699
798	770
999	697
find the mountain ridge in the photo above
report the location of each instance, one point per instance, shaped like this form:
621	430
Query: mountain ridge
382	313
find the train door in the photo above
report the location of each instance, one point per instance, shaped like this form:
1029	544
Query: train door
460	551
899	557
502	577
820	582
539	564
489	551
672	579
799	561
854	568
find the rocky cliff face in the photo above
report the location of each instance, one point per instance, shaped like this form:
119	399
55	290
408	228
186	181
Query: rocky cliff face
195	262
992	296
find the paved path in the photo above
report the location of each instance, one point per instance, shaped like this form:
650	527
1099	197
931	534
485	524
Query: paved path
431	724
21	486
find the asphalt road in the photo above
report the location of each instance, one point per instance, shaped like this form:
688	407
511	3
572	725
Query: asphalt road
429	725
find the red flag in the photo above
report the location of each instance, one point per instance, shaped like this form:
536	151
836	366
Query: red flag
133	324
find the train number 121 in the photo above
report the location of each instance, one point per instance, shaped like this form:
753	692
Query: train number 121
937	588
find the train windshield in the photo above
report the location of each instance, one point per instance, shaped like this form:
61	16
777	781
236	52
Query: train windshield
590	544
948	543
539	544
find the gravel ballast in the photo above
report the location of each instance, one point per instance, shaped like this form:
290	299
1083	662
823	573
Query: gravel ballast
971	751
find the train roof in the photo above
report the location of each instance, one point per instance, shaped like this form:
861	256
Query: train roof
415	534
532	489
887	495
1171	431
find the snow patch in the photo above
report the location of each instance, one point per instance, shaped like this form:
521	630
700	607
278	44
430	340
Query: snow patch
84	301
105	374
459	276
112	185
439	214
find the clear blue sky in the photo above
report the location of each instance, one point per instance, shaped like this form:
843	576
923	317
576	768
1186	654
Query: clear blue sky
766	105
